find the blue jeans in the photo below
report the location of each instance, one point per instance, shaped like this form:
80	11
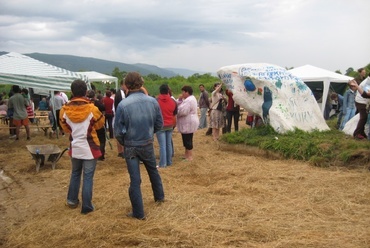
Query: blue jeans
350	112
203	118
173	149
165	147
340	119
133	155
88	168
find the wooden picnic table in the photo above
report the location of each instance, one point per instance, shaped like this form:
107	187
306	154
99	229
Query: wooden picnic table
40	121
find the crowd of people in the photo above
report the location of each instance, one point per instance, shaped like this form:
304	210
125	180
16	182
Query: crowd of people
91	118
354	100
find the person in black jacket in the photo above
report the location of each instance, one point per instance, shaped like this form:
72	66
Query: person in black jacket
100	132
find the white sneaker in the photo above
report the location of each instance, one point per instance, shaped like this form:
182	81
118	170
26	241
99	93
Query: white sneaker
13	136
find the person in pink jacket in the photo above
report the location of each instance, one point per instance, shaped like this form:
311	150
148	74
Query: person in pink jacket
187	119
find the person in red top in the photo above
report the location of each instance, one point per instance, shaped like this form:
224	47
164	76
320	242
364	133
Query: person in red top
108	105
169	110
232	111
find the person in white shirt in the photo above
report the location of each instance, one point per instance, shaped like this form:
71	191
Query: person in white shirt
64	96
120	94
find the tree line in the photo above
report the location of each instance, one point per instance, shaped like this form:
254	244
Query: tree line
153	81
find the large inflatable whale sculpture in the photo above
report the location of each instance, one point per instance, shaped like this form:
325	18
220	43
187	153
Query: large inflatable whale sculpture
282	100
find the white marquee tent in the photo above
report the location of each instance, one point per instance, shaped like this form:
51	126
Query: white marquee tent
94	76
18	69
25	71
309	73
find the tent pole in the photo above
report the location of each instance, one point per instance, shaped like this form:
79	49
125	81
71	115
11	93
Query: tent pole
325	95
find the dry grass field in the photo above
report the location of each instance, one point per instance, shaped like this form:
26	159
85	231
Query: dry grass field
229	196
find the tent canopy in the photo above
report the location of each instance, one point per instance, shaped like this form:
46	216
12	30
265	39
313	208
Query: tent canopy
313	76
25	71
94	76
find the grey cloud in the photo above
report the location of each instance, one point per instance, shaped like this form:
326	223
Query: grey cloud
290	32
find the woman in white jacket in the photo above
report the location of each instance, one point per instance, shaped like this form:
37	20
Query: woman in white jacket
361	102
187	119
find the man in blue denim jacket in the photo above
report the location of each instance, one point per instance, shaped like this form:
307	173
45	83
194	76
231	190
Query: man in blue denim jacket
138	117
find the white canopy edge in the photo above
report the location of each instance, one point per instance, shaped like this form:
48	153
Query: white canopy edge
93	76
25	71
309	73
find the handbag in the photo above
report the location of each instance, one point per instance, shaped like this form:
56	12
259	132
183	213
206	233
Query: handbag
220	105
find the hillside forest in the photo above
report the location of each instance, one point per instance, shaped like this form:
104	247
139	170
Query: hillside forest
153	81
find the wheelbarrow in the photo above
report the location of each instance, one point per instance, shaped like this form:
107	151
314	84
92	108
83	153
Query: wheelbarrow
40	153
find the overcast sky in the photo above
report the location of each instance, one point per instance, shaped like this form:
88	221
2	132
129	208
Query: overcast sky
201	35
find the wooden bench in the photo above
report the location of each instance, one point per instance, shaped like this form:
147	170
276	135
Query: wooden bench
40	121
41	113
44	128
3	119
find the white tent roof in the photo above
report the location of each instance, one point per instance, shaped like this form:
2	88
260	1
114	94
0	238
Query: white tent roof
94	76
25	71
309	73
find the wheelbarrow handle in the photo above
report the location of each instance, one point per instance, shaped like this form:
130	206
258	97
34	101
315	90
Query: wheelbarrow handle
61	154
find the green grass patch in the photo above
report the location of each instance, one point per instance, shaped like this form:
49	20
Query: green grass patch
323	149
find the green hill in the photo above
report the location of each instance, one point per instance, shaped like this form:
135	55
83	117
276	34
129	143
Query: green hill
76	63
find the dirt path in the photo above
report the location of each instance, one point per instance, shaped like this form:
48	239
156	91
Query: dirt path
226	197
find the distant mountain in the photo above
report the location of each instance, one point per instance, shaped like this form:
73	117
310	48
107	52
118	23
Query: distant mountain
186	72
77	63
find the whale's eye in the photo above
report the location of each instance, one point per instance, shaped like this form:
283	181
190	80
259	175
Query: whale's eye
249	85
